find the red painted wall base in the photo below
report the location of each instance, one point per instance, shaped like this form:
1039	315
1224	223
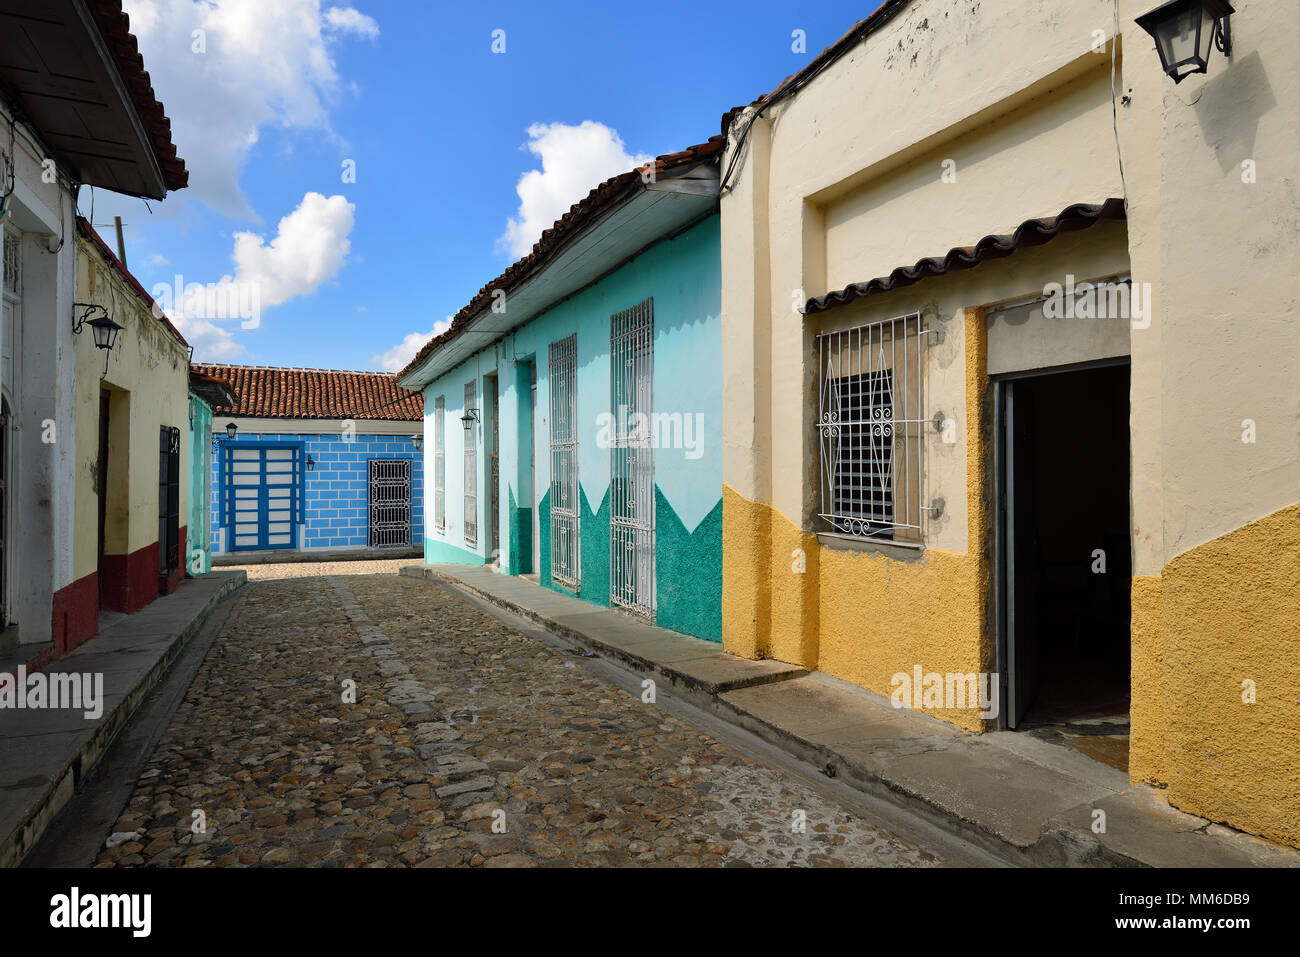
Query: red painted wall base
130	581
76	613
167	583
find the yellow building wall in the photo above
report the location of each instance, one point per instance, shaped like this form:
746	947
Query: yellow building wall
838	184
856	615
1146	754
1220	626
148	376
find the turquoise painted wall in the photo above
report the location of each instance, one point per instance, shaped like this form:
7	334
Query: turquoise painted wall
683	277
198	536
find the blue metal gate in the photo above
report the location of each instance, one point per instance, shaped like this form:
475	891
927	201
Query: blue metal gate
262	495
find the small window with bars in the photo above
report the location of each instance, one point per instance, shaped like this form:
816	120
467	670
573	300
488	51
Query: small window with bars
13	263
439	463
471	471
870	426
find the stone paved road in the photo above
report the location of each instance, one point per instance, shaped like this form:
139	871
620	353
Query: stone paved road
267	572
469	744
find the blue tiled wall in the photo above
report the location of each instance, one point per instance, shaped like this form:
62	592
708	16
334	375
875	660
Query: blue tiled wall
336	508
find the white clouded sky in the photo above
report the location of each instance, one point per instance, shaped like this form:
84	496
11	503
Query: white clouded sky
262	63
575	159
396	358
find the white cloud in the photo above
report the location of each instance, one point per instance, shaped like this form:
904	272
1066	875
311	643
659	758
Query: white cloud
309	248
156	259
396	358
575	159
261	65
211	343
352	20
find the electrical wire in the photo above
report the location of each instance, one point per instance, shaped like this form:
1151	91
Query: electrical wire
1114	105
10	173
881	16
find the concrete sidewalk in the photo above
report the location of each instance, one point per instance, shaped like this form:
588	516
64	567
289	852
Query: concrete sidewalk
1022	798
45	754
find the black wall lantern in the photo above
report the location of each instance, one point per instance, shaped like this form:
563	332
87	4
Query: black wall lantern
311	463
231	429
102	328
469	418
1185	31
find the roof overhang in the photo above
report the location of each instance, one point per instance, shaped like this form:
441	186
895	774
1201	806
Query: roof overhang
72	69
213	391
651	213
1032	232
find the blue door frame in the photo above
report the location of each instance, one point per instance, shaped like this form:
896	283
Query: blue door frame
296	493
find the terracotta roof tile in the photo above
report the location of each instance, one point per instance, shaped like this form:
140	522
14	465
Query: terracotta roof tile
283	393
116	28
1032	232
552	240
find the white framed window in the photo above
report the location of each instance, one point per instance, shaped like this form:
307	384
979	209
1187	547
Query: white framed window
566	516
439	463
870	425
471	470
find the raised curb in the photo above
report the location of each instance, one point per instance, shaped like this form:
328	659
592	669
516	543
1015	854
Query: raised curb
697	667
873	747
61	775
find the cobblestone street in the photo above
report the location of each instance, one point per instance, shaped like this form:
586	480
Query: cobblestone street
468	744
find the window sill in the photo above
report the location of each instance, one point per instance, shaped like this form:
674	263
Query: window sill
895	550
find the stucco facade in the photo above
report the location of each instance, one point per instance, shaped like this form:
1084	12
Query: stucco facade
136	391
113	133
891	154
679	275
334	493
198	538
36	353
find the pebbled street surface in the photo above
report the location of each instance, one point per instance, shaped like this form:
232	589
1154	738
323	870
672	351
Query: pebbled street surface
469	744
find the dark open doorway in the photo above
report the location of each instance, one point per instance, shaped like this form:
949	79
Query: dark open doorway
1065	566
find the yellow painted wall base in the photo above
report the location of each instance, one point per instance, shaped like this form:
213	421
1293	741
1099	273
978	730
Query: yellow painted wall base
857	616
1232	615
1146	755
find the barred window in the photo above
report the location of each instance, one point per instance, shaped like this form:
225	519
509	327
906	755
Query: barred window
870	425
566	515
439	464
471	471
13	262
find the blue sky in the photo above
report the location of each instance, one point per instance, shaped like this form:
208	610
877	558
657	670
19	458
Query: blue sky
269	100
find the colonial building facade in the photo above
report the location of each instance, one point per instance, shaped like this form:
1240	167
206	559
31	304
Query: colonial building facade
320	459
80	112
131	418
1000	397
573	409
206	391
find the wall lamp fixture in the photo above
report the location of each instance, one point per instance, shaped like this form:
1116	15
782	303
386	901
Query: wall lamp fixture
103	328
1186	30
231	429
